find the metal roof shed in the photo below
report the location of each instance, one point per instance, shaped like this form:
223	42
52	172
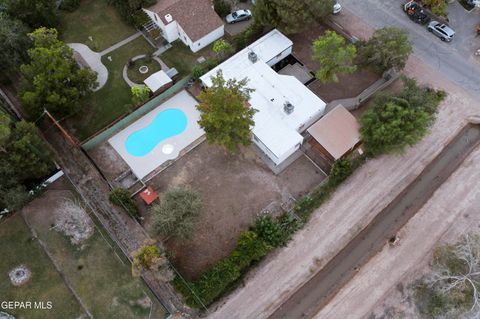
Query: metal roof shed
337	133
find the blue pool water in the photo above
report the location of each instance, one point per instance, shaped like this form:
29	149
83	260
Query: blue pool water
168	123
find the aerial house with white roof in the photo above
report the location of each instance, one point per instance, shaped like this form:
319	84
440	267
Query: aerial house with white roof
285	107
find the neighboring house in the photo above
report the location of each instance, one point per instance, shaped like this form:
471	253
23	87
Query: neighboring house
192	21
285	106
336	134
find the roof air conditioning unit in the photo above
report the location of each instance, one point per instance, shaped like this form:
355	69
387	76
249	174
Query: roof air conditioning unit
252	56
168	18
288	107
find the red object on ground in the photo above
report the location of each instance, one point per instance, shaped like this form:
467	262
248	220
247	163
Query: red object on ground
148	195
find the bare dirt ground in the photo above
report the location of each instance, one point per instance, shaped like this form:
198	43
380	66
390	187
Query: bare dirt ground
350	209
234	189
349	85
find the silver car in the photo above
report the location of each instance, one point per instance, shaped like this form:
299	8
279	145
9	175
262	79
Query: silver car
239	15
443	31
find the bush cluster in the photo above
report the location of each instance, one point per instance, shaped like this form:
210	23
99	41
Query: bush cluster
121	197
128	9
200	69
250	34
220	277
69	5
222	7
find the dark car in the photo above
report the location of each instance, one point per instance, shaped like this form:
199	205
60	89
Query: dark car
416	13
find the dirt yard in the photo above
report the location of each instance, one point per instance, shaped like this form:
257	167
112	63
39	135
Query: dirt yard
348	86
234	189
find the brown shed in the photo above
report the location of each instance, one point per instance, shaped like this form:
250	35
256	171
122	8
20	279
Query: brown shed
336	134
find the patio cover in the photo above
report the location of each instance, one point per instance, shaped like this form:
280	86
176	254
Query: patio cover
157	80
148	195
337	132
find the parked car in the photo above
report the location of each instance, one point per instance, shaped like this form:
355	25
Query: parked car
239	15
416	13
337	7
441	30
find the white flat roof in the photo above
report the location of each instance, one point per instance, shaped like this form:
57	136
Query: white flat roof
277	130
157	80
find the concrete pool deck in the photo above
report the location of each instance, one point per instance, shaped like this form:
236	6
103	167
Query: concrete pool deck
167	149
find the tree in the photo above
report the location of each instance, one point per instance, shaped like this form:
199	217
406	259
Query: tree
225	115
14	43
291	16
452	289
53	79
38	13
27	153
334	55
177	213
394	122
387	48
222	7
5	130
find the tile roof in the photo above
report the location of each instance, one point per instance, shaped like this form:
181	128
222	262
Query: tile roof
196	17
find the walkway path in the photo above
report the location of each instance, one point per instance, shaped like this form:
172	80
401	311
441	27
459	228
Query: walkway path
94	62
121	43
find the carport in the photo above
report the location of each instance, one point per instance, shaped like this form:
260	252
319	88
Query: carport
336	134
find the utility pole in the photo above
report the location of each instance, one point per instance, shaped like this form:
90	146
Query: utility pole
69	138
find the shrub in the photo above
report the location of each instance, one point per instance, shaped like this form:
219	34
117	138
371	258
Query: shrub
140	18
177	213
69	5
270	231
220	277
222	7
341	169
251	33
121	197
197	71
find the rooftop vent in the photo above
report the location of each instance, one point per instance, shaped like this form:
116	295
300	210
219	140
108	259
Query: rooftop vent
252	56
288	107
168	18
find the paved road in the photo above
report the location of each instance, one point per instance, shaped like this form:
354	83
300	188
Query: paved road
455	60
317	292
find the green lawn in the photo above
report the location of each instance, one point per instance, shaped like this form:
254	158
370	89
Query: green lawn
97	19
180	57
114	98
18	248
134	73
102	280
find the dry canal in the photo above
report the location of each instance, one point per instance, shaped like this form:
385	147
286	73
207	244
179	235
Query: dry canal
314	294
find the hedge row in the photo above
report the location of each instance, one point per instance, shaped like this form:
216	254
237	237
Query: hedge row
121	197
263	236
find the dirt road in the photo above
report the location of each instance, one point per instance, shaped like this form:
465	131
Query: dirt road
318	291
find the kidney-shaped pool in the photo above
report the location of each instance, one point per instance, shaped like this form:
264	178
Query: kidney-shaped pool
167	123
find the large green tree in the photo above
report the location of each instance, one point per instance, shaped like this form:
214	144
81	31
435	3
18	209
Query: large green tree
14	43
387	48
34	13
53	79
5	130
335	56
393	122
291	16
27	152
225	115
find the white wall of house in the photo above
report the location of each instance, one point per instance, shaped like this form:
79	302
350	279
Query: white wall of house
280	56
169	31
174	31
209	38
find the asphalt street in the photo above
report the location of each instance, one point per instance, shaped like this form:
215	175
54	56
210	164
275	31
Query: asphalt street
455	60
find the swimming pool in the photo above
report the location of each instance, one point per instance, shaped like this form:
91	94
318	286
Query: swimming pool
167	123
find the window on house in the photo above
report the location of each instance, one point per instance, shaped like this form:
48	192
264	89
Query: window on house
185	38
198	43
155	16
